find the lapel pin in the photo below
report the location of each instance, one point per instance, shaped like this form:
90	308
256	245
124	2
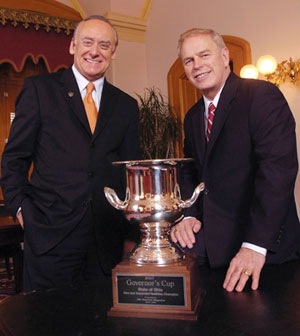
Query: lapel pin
71	94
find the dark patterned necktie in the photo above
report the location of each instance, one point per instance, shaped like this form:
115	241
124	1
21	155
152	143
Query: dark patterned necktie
211	114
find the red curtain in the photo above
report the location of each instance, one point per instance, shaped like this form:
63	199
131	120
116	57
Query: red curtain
17	43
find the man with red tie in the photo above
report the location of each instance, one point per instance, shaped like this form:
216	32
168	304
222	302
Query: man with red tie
71	125
241	135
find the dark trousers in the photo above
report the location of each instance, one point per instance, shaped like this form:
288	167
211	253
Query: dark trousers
73	260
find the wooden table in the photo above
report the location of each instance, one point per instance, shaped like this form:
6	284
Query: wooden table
273	310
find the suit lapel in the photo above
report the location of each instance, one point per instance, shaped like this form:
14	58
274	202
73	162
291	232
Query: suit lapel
73	97
199	130
108	102
223	109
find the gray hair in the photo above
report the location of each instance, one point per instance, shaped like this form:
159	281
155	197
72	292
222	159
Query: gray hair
217	38
100	18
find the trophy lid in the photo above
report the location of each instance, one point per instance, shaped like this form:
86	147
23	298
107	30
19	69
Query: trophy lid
154	162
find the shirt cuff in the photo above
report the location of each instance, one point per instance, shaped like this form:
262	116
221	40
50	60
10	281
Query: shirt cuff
18	211
255	248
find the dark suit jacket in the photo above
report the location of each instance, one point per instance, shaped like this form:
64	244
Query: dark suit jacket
249	169
71	166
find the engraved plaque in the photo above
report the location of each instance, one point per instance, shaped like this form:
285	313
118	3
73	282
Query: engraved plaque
166	290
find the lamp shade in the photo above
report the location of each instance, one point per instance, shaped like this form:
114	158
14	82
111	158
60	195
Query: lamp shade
266	64
249	71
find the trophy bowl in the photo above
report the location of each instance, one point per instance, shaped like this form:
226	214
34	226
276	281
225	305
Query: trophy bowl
153	201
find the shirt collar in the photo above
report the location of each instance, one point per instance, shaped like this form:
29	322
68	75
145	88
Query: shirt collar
83	82
215	101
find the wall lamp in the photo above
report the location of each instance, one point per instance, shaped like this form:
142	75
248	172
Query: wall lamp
286	71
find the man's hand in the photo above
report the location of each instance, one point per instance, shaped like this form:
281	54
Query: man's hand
245	259
20	219
184	232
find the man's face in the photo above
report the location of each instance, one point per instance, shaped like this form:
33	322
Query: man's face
206	64
93	48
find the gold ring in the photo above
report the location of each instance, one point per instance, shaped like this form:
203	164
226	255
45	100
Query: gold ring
175	230
247	272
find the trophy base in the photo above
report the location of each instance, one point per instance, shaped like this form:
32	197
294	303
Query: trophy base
157	291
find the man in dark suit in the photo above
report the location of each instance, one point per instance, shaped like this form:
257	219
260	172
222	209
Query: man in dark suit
241	135
71	231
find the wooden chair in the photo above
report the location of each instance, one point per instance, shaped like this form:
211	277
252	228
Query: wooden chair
15	252
11	237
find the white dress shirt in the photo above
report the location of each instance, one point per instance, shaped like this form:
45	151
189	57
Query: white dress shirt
83	82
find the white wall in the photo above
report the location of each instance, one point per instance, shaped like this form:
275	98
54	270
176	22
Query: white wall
271	27
128	70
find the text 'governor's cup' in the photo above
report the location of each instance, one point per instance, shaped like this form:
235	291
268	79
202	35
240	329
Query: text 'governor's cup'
153	200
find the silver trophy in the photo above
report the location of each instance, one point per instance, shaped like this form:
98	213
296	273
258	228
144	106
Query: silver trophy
153	201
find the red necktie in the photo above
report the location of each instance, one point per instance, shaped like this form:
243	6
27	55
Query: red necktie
211	114
90	107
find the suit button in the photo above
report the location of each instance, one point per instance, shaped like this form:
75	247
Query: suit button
206	191
92	145
91	174
84	204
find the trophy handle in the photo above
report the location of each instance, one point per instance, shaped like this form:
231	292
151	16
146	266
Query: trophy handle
189	202
114	200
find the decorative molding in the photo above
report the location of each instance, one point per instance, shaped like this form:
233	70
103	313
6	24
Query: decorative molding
16	16
35	59
50	7
129	28
146	9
